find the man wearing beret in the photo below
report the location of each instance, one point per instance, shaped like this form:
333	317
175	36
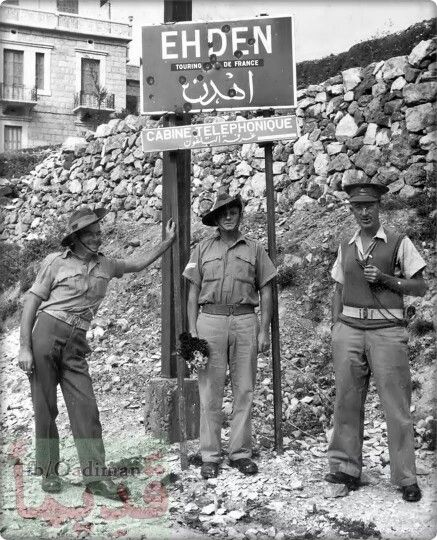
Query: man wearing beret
373	271
57	312
228	272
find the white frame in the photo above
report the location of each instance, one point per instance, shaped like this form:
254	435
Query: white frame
29	52
92	55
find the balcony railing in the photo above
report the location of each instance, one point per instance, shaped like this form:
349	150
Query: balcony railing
17	98
92	103
67	22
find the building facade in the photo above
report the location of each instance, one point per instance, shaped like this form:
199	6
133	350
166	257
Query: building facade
61	72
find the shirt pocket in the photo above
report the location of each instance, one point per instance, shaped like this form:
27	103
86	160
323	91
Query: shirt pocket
99	280
211	268
70	280
245	270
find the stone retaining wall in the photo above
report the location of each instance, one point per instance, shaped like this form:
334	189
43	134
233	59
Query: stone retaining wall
374	124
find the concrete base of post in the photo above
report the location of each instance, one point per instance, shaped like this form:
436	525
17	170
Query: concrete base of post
161	413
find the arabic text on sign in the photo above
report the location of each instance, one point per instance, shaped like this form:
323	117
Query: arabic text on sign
210	93
173	41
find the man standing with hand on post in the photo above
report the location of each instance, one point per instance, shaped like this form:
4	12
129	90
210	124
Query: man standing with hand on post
373	271
228	273
57	312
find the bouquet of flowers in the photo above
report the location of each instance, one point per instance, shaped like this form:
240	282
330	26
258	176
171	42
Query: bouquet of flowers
194	351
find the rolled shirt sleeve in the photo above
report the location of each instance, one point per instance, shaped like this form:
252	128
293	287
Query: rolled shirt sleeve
337	270
116	267
44	279
409	259
265	269
192	270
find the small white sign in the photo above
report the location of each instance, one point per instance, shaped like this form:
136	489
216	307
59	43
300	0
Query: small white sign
192	136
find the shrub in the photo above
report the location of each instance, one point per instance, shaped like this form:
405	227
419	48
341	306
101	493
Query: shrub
21	162
7	308
420	327
286	277
9	265
423	227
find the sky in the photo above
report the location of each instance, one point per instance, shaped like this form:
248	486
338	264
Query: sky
322	27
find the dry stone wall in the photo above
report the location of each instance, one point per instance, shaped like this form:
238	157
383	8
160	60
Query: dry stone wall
374	124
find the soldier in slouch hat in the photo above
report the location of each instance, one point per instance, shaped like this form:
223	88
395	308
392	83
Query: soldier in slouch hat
228	273
57	312
373	271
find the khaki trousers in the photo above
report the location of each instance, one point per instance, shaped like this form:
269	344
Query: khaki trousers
356	354
232	340
59	352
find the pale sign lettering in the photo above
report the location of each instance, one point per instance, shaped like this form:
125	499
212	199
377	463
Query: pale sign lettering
225	65
219	133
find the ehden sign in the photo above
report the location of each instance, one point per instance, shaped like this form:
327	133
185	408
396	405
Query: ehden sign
226	65
219	133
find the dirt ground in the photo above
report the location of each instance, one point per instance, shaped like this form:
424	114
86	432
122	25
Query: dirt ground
287	500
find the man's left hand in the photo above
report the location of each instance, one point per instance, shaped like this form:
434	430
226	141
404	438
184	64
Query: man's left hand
372	273
170	230
263	342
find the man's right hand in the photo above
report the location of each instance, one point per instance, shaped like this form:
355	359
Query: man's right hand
25	360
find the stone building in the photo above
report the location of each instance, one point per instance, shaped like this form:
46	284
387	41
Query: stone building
61	71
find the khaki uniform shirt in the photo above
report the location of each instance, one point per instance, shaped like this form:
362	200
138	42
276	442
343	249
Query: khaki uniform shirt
408	261
67	284
229	274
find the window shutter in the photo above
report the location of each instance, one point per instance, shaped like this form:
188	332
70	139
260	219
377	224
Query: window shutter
68	6
39	71
90	75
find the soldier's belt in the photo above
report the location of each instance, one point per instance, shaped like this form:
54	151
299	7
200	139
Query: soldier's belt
72	320
372	314
227	309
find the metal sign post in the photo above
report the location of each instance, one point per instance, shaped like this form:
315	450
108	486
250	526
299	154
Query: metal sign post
276	352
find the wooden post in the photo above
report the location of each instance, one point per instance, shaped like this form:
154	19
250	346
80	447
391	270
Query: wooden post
175	178
177	359
276	352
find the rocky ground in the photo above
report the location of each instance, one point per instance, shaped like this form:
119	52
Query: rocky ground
288	499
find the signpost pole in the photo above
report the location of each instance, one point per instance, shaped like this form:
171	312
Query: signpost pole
276	353
180	363
176	176
176	201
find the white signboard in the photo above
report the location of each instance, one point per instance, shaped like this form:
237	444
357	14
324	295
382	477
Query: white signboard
260	129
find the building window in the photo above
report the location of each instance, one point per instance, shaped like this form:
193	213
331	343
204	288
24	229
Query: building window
13	140
132	104
68	6
39	71
13	67
90	75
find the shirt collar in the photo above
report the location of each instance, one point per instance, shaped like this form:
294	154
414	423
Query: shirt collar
68	252
240	237
380	233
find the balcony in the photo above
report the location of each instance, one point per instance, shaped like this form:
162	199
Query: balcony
17	98
64	22
88	106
